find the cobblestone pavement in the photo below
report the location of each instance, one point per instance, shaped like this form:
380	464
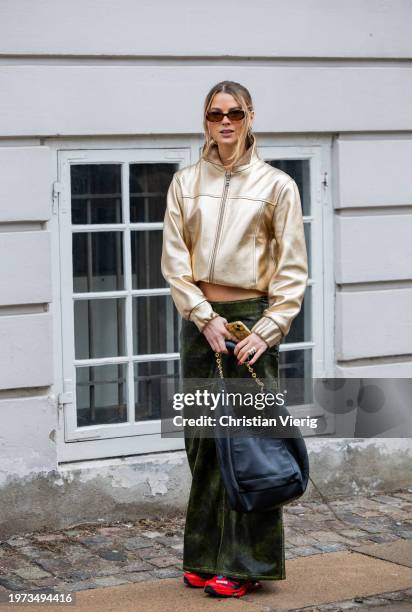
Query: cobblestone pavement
96	555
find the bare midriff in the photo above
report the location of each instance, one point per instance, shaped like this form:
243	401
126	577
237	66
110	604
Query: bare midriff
221	293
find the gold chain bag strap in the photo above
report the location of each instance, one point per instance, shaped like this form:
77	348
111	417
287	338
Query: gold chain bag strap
249	367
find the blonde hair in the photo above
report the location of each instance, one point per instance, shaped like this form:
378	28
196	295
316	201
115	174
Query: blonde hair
244	99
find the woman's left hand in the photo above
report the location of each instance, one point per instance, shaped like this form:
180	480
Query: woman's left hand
243	348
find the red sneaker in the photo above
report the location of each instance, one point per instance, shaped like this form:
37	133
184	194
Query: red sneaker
196	580
222	586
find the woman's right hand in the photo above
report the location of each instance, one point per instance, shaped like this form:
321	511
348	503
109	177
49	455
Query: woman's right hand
215	333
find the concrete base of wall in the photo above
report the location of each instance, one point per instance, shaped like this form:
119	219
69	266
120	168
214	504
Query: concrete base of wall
148	485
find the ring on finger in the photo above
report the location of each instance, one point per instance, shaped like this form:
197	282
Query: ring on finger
252	351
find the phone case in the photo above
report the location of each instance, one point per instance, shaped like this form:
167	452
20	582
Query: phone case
238	329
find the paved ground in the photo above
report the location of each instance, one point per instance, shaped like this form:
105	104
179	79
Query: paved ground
347	554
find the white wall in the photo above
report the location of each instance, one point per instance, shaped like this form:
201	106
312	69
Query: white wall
373	254
85	99
27	441
26	356
28	414
264	28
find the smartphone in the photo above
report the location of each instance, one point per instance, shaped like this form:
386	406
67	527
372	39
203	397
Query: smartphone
238	329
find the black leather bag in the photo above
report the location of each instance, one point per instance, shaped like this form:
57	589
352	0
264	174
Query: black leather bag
261	473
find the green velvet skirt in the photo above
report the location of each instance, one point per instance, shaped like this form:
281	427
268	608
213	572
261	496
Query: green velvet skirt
217	539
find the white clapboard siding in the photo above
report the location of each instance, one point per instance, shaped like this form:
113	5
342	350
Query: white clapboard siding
25	179
394	369
373	323
373	248
25	268
130	99
301	28
26	351
375	171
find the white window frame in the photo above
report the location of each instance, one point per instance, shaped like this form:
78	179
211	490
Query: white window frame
315	219
135	435
75	444
321	279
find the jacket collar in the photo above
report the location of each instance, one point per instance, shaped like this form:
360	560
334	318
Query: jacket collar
249	157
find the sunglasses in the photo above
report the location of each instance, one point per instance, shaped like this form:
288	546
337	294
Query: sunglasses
233	115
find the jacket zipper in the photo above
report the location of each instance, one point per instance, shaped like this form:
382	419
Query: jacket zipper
219	224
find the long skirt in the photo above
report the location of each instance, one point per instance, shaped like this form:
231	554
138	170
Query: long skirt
217	539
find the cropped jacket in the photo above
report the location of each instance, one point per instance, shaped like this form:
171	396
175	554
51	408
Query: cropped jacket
242	228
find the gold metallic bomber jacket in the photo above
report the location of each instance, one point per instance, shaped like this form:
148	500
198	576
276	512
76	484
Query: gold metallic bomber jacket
242	228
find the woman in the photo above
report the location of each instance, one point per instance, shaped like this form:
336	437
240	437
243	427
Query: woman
233	249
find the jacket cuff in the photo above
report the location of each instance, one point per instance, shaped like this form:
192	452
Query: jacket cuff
202	314
268	330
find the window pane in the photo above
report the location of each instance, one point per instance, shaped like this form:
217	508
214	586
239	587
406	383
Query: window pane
96	193
155	325
146	255
148	188
101	394
97	261
301	328
150	393
296	365
99	327
299	170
